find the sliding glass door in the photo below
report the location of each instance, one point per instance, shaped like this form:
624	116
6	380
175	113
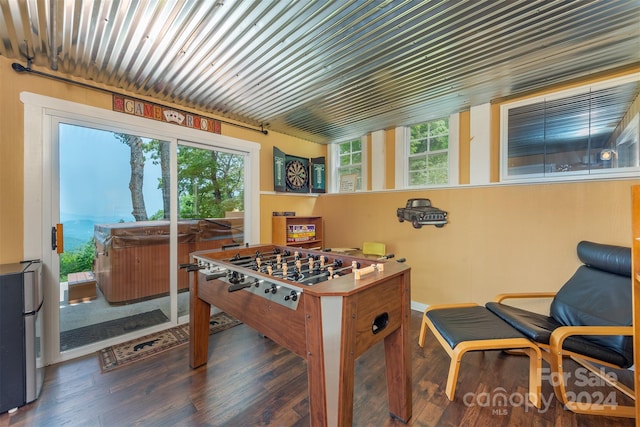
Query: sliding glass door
115	209
135	197
114	205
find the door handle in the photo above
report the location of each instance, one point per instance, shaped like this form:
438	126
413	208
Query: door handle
57	238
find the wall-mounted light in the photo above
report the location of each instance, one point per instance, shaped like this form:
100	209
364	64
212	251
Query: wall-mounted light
608	154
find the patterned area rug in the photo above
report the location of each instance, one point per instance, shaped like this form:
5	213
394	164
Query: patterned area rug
119	355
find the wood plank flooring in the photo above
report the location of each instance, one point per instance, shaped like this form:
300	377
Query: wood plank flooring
250	381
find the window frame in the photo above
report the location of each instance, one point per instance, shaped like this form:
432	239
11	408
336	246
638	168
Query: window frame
559	176
403	153
336	167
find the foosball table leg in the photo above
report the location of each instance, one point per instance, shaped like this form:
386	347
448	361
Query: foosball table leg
199	314
330	361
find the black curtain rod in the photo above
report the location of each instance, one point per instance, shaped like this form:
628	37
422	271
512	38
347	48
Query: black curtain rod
18	68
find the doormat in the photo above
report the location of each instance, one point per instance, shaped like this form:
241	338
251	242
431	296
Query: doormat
110	328
128	352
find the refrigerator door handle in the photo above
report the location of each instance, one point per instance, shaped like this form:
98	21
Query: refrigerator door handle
54	240
34	368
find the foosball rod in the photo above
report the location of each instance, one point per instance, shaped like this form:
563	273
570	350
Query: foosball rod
269	258
330	274
238	257
283	267
311	264
296	258
337	263
354	266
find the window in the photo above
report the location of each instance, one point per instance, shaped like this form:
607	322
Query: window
349	161
428	156
591	130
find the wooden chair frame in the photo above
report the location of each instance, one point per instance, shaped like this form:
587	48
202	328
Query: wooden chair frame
522	344
554	355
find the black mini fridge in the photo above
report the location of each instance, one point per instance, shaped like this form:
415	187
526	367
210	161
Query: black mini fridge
21	362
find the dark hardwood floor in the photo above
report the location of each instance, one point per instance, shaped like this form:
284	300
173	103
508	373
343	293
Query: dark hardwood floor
251	381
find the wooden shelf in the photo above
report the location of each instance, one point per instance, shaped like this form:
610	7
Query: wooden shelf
280	231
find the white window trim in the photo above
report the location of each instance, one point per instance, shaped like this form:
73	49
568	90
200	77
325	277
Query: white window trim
401	164
480	144
558	176
454	149
378	160
334	159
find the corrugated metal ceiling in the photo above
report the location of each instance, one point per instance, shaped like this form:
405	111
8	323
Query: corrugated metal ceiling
324	70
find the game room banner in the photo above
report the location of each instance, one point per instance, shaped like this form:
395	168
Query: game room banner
152	111
296	174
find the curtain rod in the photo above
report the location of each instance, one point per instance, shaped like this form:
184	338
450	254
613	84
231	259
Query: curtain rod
18	68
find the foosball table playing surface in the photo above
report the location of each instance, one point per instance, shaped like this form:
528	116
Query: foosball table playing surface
327	308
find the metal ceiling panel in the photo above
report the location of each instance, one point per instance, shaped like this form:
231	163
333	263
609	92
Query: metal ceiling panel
324	71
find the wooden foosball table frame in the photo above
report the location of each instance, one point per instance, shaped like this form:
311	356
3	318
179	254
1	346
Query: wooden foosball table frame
330	323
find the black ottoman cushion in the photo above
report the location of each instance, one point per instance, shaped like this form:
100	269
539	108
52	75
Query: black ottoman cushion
461	324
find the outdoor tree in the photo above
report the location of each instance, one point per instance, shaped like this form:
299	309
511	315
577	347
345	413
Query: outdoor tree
209	182
136	161
428	161
160	153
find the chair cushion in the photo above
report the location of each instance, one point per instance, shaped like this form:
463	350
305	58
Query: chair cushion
588	347
609	258
593	297
598	294
461	324
538	327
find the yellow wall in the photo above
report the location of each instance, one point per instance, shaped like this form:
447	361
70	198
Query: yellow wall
12	146
499	239
302	205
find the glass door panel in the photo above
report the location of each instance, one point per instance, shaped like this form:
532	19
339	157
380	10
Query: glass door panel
211	186
114	207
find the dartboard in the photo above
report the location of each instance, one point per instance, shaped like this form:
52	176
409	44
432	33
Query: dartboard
297	175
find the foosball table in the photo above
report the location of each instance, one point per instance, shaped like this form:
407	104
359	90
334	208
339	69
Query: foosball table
327	308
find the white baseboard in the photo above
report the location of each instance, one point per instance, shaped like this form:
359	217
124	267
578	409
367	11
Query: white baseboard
418	306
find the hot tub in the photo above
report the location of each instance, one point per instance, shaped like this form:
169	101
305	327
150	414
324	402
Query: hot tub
132	258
